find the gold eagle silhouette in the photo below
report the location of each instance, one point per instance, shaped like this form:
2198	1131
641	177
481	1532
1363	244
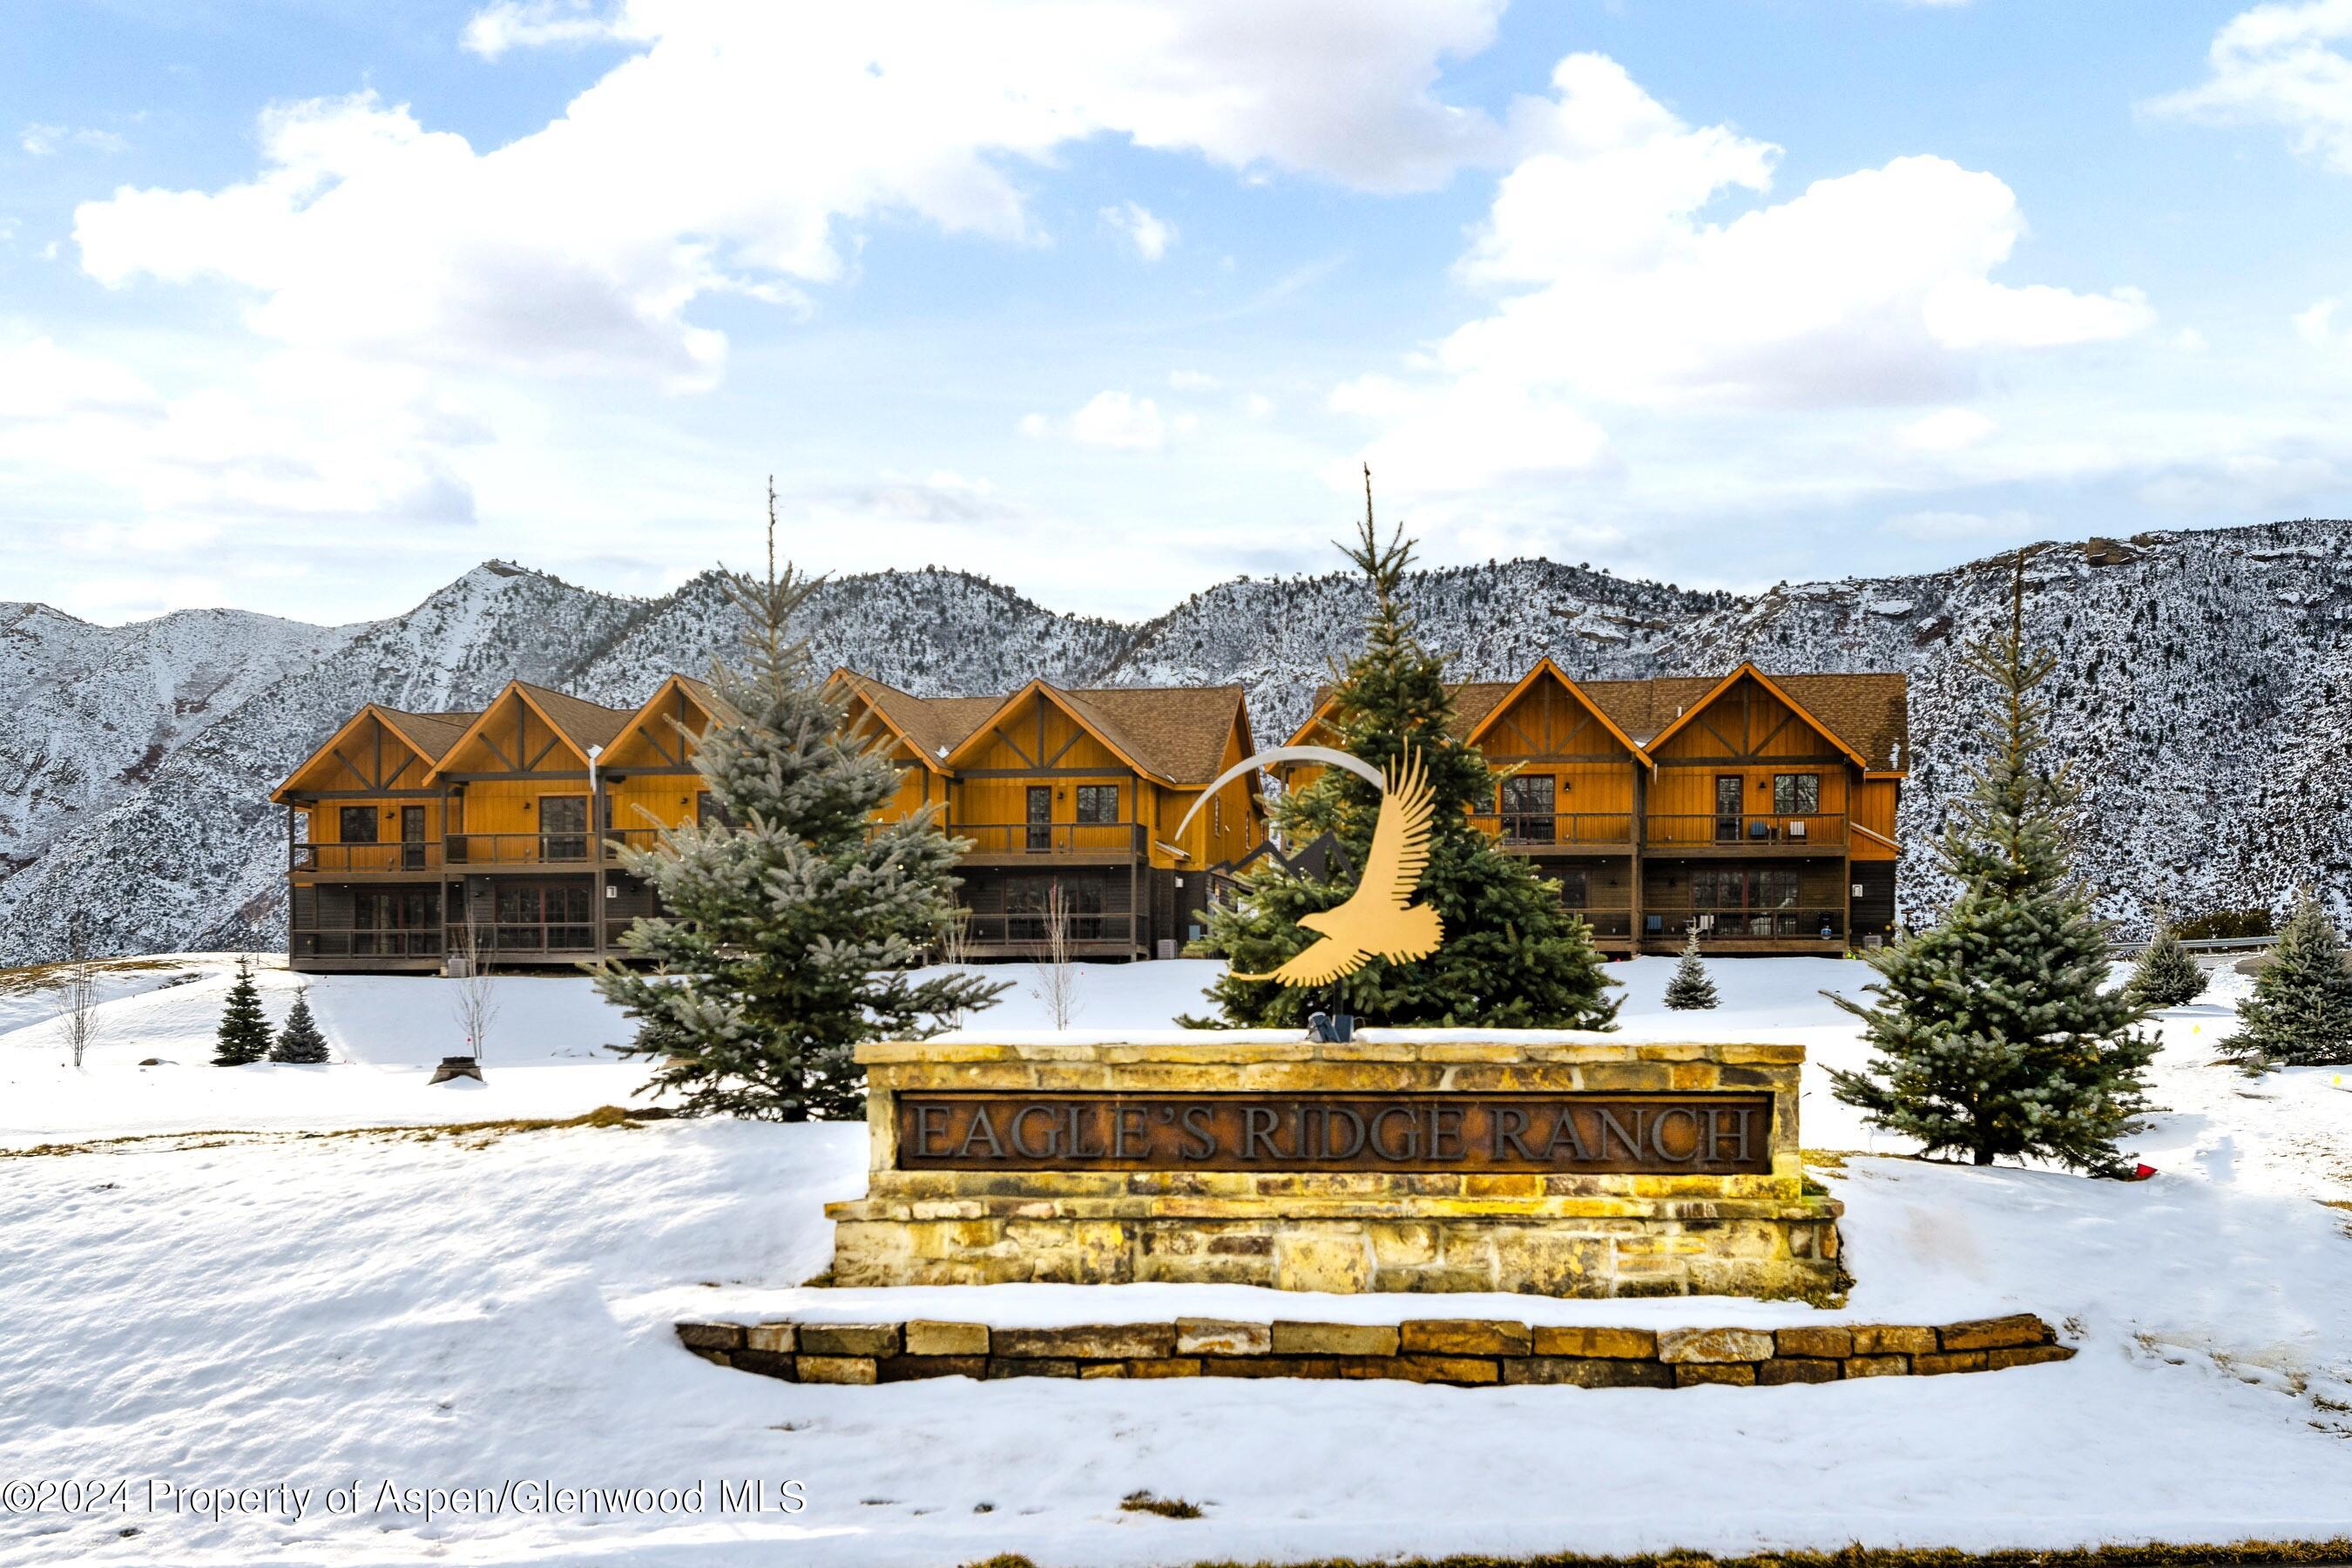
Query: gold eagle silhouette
1377	920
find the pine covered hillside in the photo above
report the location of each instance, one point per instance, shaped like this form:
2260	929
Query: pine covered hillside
2205	694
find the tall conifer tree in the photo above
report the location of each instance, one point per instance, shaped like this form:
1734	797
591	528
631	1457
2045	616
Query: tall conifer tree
2301	1012
790	923
1512	957
1993	1033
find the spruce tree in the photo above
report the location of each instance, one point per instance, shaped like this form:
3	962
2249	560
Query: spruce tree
2301	1012
1690	988
244	1033
2165	974
1992	1033
1513	957
791	921
300	1041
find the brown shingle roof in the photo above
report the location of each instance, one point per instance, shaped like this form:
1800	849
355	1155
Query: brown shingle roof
434	733
589	723
1177	732
1869	712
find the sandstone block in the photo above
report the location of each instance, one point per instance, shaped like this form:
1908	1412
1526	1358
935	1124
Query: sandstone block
1445	1369
1214	1336
1402	1242
1885	1338
1877	1366
1948	1360
1334	1339
1582	1372
2027	1355
1269	1366
823	1340
1796	1369
1465	1336
1038	1366
1338	1265
767	1363
710	1336
1115	1341
778	1337
928	1338
1546	1262
1715	1346
1164	1366
1690	1374
1837	1343
837	1369
908	1368
1995	1333
1613	1343
1103	1369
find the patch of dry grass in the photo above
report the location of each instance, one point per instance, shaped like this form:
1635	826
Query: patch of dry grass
2237	1555
473	1134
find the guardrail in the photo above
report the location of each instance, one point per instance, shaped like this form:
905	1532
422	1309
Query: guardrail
1542	830
1747	830
1048	839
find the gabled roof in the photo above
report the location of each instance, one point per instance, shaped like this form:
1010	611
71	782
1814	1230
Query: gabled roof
1541	668
1867	714
430	735
647	713
1748	671
580	724
931	726
1174	734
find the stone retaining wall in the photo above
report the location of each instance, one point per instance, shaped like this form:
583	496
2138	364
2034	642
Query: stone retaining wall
1467	1352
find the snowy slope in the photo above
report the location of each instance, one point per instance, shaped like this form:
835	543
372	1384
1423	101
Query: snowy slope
2204	685
470	1310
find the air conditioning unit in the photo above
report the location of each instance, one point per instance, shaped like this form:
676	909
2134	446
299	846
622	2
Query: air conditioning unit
1167	947
455	967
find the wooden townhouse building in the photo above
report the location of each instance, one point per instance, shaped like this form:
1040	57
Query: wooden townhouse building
409	834
1759	810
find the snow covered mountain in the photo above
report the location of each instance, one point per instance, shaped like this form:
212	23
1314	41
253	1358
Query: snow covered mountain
2204	684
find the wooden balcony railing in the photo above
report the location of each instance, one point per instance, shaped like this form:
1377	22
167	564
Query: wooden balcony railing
1538	831
998	934
1747	830
1733	926
364	860
345	942
1100	840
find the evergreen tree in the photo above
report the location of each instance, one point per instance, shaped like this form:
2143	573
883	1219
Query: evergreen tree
1690	988
2165	974
244	1033
1513	956
300	1041
1992	1033
791	921
2301	1012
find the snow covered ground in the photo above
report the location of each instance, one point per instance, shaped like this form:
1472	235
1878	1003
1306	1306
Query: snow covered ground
467	1309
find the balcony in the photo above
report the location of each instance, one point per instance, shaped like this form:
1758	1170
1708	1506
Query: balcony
1748	833
1794	927
346	944
1550	833
1067	842
469	851
1024	935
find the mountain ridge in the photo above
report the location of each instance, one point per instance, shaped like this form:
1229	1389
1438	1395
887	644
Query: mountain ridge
2204	692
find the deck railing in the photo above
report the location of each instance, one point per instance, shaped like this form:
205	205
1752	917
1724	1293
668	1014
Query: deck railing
996	933
1747	830
1732	926
1047	839
360	859
346	941
1544	830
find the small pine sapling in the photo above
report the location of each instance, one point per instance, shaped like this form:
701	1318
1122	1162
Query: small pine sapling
301	1042
243	1035
1691	988
2165	975
2301	1012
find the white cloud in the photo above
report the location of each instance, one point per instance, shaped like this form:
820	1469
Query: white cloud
2317	325
2279	65
1961	525
740	147
535	24
2189	340
1615	288
1256	405
1191	381
1119	421
1946	430
45	141
1151	235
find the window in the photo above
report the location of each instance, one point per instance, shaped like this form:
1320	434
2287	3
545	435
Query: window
535	918
1028	909
1099	802
563	827
1527	801
1573	894
1040	836
394	922
1796	794
1731	887
412	838
357	825
709	811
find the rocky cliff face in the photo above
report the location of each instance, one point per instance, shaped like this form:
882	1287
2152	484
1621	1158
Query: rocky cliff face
2204	688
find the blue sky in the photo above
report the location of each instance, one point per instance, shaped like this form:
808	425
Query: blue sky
305	307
